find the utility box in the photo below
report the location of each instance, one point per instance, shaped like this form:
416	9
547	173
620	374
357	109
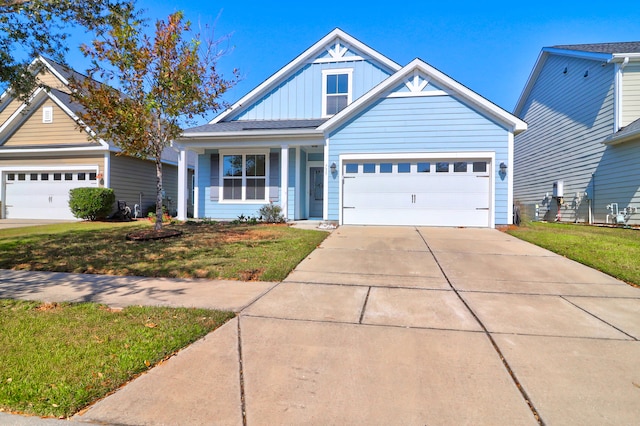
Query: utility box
558	189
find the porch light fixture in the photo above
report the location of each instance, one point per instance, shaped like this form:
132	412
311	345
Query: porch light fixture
503	168
333	167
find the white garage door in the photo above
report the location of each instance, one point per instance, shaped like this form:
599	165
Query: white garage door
43	195
416	192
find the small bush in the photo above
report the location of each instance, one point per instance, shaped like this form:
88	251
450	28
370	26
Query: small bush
271	213
91	203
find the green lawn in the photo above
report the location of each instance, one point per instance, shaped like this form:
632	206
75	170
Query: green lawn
614	251
56	359
204	250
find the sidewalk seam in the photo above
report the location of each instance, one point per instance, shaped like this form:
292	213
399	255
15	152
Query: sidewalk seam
364	306
243	403
505	363
598	318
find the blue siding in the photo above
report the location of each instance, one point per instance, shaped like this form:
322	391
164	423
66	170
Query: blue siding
300	96
420	125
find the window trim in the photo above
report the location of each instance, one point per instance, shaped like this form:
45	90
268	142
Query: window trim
243	153
336	71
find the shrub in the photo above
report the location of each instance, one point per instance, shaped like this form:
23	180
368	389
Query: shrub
91	203
271	213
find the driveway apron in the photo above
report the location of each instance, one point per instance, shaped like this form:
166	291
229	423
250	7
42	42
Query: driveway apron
411	326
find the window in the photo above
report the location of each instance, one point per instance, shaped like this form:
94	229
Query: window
351	168
11	176
442	167
82	176
44	176
460	167
21	176
33	176
424	167
68	176
404	167
244	177
336	91
92	176
479	167
57	176
386	167
368	168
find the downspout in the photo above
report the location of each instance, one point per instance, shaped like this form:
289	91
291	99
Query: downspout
617	110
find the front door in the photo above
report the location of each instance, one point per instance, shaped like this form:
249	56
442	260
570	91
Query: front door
316	191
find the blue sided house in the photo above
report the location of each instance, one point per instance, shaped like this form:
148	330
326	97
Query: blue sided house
346	135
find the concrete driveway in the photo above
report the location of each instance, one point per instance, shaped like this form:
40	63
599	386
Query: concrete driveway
409	326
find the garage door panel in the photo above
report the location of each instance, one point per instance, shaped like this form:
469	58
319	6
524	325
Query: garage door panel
36	198
417	197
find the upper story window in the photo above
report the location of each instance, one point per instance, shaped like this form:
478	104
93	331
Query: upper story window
336	90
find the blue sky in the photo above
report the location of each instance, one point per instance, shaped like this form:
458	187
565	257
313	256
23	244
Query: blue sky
489	46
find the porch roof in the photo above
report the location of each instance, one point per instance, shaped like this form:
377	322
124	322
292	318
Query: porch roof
256	125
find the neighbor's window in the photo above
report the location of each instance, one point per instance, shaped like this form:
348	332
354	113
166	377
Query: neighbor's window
460	167
424	167
244	177
479	167
337	93
386	167
404	167
368	168
351	168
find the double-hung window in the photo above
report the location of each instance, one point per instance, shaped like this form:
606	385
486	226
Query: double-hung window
244	177
336	90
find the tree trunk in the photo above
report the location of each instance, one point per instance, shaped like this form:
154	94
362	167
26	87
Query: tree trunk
158	225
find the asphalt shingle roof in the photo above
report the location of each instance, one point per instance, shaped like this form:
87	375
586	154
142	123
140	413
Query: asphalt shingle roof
622	47
240	125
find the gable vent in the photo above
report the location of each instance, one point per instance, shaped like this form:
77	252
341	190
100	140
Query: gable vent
47	114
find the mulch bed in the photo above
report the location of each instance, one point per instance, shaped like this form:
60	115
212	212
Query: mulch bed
152	234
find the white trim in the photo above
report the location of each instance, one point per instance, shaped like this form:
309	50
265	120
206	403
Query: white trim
510	180
46	168
51	69
50	150
337	60
107	170
183	183
618	91
297	206
284	181
196	189
313	51
336	71
471	155
457	90
325	195
417	94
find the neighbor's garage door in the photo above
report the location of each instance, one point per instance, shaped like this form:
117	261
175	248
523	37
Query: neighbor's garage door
43	195
422	192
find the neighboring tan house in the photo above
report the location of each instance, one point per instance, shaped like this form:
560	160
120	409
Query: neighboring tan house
582	106
43	154
344	134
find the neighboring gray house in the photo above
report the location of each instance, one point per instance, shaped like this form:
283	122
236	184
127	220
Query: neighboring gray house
582	106
344	134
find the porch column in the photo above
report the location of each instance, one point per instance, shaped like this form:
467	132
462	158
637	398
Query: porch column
183	188
284	181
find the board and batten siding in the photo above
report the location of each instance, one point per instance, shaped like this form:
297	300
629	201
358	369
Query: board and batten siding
630	94
433	124
62	131
568	115
132	176
300	96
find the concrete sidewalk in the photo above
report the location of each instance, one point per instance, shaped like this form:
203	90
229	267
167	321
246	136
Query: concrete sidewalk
401	326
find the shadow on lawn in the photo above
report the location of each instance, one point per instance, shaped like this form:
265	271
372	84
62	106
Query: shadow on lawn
107	289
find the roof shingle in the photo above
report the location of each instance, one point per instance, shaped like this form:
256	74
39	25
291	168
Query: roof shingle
621	47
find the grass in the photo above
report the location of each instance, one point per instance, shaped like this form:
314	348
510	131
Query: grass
204	250
614	251
58	358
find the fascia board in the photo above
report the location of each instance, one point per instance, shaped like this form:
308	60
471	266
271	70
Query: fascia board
442	80
49	151
199	145
299	61
36	98
251	134
620	57
594	56
612	140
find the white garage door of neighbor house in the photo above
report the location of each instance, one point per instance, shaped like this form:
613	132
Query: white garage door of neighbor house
43	195
416	192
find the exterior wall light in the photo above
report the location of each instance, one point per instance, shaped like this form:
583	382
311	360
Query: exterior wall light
503	168
333	167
